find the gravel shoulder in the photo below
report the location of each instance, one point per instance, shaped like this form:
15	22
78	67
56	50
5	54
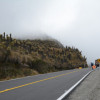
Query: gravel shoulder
89	89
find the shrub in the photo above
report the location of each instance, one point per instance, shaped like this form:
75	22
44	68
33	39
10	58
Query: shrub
40	66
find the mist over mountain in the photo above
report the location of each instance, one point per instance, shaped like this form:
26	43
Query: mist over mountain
38	36
32	36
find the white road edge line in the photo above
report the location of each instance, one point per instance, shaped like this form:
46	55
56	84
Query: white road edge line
73	87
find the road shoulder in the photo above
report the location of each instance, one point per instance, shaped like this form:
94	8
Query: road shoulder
89	89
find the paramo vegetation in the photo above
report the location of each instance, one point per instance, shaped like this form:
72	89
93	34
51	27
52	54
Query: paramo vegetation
28	57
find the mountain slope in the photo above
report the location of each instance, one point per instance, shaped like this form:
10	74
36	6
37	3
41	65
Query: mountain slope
28	57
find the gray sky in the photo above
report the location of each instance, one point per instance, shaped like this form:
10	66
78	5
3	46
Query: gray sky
73	22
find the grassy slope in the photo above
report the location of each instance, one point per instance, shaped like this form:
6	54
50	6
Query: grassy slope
28	57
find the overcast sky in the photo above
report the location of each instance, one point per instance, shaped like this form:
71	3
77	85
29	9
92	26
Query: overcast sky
73	22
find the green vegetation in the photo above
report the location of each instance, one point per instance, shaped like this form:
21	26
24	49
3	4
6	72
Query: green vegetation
28	57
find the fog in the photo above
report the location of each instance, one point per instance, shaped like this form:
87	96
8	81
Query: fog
72	22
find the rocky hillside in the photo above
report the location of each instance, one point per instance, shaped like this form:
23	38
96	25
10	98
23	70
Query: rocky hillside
28	57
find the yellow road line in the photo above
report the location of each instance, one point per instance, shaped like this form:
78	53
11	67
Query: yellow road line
35	82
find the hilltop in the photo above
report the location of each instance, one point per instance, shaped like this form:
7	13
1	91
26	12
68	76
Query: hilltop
28	57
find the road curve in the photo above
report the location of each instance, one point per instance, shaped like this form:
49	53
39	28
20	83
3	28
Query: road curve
40	87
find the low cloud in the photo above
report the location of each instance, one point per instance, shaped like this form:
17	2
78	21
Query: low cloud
74	23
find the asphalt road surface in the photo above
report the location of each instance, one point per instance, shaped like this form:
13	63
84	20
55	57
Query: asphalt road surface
41	87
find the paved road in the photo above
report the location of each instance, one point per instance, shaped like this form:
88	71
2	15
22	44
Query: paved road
40	87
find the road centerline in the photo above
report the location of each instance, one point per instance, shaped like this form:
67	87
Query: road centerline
36	82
